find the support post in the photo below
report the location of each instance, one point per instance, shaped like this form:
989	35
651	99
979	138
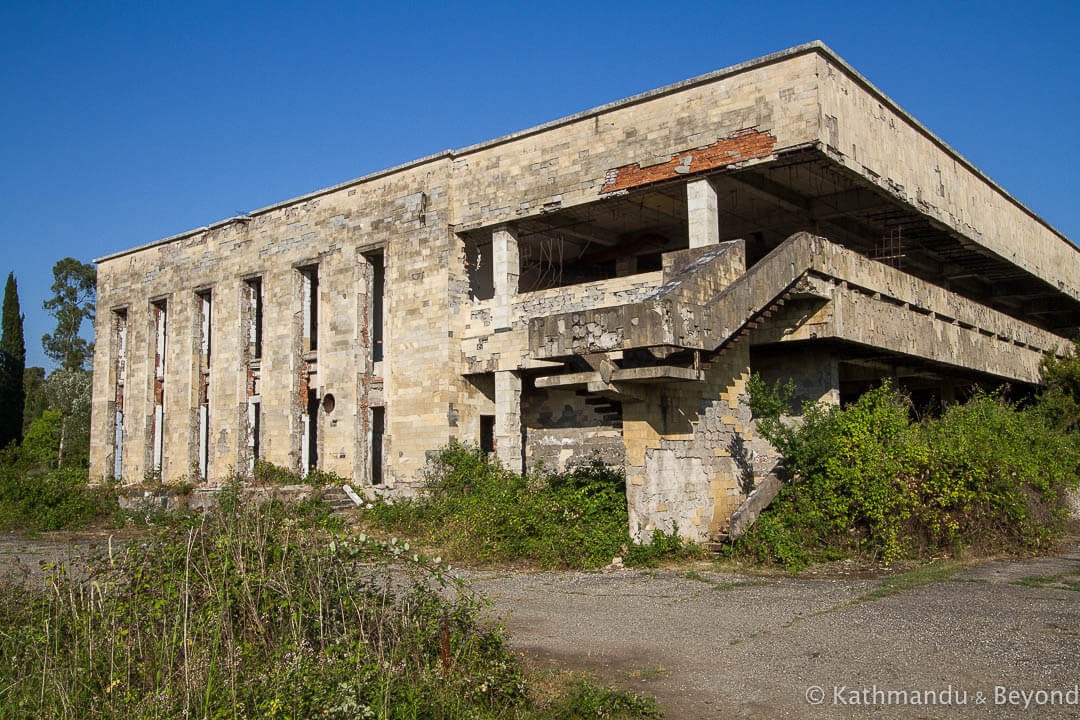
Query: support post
508	442
625	265
506	268
701	213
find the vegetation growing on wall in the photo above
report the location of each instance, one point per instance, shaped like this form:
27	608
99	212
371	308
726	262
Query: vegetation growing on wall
869	481
480	511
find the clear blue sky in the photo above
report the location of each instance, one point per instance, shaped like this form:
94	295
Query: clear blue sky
126	122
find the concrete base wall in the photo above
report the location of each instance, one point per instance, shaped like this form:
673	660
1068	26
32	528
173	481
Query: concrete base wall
563	430
686	452
815	373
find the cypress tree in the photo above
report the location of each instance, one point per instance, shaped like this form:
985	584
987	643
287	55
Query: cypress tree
12	366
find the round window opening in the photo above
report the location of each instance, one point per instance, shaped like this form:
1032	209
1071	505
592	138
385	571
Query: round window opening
328	403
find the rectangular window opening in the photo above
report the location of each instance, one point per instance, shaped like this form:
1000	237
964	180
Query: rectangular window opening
311	432
378	419
478	268
160	314
487	433
205	345
310	278
255	317
378	292
120	343
254	420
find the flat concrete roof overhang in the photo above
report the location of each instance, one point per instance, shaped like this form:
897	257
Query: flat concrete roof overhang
806	189
815	186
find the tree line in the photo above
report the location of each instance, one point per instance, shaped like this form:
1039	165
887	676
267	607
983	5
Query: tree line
47	415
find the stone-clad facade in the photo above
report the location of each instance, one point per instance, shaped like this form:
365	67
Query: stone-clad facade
600	286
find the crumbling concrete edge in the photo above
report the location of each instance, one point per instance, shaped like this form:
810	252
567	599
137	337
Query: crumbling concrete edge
756	502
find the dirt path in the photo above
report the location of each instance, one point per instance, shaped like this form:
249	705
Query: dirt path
712	645
25	556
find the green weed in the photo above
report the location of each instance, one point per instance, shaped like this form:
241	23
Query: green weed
1064	581
253	611
481	512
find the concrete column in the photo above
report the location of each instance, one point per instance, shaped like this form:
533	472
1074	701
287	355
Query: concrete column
701	213
506	268
948	393
508	445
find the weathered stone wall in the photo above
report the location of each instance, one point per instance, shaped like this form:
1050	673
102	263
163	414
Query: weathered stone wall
685	451
564	429
566	163
404	212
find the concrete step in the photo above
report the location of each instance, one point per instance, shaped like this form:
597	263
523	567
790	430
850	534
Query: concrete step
336	498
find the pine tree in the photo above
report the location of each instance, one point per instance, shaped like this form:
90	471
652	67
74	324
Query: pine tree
71	303
12	366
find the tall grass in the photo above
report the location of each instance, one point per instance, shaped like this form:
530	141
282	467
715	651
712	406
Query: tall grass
249	612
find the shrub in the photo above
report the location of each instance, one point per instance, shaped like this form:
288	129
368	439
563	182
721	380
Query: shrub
53	499
1059	401
662	545
482	512
866	480
770	402
41	443
994	475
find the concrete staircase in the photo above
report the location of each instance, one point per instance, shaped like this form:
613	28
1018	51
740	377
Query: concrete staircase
764	462
336	498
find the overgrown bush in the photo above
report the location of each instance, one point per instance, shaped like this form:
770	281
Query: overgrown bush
769	403
482	512
36	495
48	498
267	473
1059	401
869	481
248	612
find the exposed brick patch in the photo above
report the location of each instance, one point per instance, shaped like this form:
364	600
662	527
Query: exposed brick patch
744	145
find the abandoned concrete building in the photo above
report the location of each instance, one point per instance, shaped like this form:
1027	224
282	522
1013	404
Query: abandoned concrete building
604	283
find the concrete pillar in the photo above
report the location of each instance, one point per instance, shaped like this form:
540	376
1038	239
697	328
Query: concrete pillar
701	213
948	393
508	444
506	268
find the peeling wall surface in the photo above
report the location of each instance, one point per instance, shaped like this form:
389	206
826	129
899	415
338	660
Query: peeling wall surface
563	427
602	286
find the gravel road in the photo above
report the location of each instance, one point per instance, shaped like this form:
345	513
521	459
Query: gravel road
733	646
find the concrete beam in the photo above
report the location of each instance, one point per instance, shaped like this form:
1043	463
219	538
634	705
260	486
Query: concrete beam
568	380
656	374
